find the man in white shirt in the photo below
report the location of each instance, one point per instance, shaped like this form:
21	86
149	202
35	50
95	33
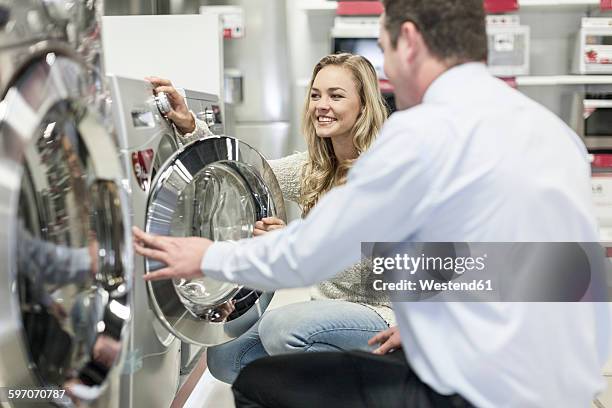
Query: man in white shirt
466	158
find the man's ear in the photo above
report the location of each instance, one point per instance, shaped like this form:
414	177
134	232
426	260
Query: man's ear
411	40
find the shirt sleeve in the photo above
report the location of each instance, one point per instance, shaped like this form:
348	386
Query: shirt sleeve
383	200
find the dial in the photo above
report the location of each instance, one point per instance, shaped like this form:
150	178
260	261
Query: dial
163	103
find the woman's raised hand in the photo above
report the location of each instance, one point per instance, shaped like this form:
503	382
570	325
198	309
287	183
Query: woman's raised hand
267	224
179	114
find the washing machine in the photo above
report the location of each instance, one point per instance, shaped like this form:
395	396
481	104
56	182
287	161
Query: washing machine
65	245
146	140
216	187
207	108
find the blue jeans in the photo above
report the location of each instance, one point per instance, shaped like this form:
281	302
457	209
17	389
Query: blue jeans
319	325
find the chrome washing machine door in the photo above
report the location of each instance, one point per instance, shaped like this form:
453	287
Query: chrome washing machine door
215	188
65	249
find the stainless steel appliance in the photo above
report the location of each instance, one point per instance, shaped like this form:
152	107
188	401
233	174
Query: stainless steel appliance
216	188
206	107
592	119
65	247
593	49
359	35
508	44
262	117
145	141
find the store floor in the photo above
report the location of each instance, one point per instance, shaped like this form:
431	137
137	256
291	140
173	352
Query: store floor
211	393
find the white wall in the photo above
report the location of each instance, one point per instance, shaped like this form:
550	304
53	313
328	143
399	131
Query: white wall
187	49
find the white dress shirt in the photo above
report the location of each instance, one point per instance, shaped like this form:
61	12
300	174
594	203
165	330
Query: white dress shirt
476	161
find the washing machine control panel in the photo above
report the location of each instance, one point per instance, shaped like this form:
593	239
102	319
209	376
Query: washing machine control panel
142	117
139	113
206	107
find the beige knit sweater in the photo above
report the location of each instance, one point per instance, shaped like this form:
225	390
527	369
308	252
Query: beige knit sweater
351	285
354	283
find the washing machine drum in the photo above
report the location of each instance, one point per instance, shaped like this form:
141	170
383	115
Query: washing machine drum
215	188
65	266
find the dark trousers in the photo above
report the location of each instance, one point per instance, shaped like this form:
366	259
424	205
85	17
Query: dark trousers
337	379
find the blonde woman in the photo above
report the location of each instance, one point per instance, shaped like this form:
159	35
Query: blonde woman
343	113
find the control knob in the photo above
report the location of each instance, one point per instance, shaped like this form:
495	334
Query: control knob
163	103
209	117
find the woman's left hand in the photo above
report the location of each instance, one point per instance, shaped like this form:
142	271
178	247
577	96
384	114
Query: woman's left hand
267	224
389	341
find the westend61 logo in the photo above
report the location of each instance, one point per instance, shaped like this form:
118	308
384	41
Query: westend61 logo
411	264
488	271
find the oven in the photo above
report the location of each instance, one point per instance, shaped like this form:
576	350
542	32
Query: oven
593	53
592	119
359	35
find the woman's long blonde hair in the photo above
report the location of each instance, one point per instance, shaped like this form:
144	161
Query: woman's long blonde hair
323	170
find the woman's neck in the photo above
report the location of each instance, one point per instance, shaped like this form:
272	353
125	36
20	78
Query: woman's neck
344	149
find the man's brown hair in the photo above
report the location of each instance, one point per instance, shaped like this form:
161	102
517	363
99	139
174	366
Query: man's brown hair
453	30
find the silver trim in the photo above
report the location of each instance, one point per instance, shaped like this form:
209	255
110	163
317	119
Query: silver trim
51	90
207	325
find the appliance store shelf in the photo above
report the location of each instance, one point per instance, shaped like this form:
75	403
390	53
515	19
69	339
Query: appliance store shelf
327	5
558	3
544	80
319	5
564	80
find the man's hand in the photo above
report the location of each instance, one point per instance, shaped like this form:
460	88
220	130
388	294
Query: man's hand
266	225
182	256
389	341
179	114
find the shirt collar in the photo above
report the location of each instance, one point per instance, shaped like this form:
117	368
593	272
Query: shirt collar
452	79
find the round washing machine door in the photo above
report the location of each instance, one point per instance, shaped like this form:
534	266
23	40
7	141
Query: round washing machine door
65	253
215	188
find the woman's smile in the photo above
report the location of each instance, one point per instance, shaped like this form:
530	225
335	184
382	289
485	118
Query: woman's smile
325	120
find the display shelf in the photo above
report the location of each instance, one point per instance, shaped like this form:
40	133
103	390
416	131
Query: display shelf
558	3
324	5
318	6
551	80
544	80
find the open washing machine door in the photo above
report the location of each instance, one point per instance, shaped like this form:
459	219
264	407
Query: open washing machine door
65	253
215	188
